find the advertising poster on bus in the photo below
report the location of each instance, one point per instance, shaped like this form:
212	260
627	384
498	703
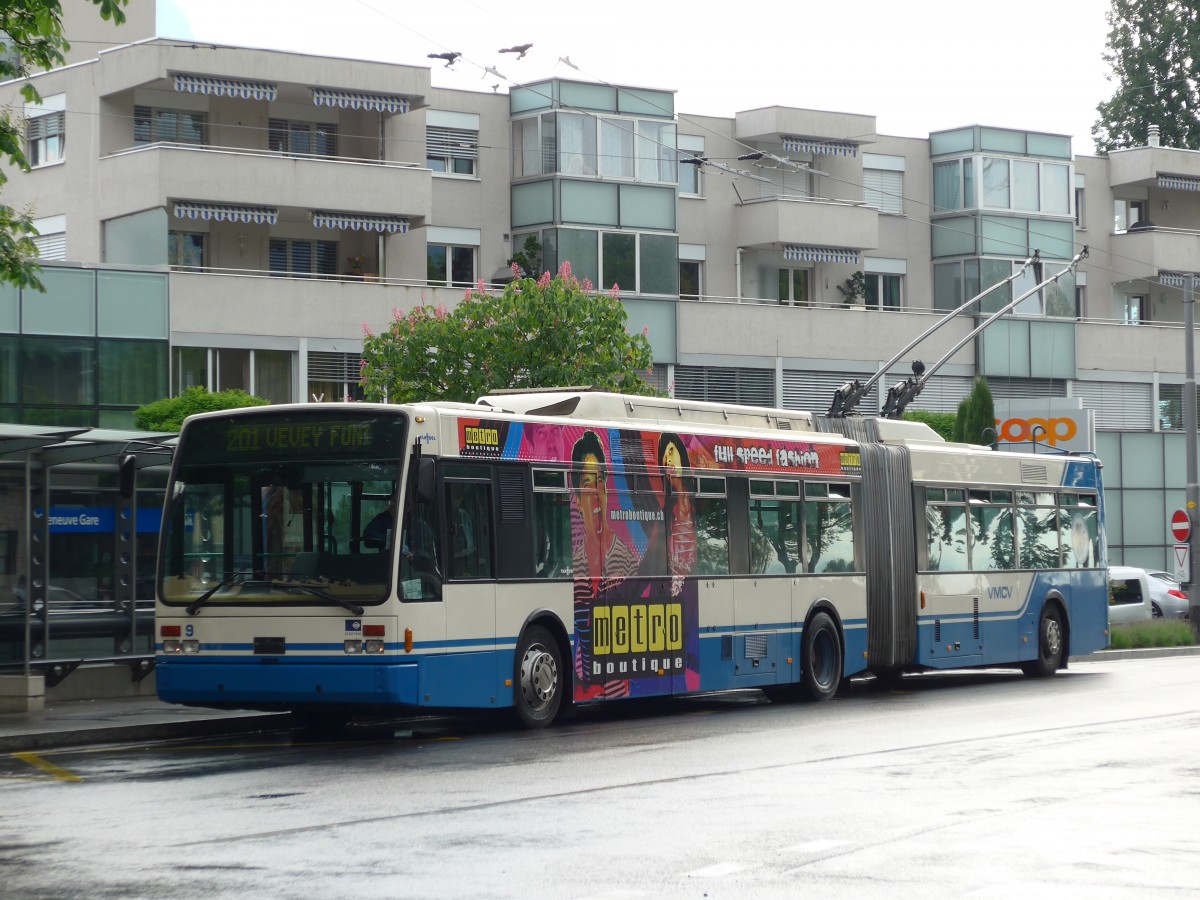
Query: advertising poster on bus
638	516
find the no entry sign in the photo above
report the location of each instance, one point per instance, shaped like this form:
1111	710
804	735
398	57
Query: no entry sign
1181	527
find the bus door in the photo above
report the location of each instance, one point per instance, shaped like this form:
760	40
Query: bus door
469	596
763	602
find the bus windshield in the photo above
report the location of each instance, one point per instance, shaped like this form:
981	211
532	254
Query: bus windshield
283	508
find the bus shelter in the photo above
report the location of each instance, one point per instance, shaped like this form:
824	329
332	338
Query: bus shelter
76	552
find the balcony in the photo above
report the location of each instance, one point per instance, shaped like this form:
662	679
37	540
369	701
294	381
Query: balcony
1160	249
823	223
773	122
715	328
1141	166
147	177
259	303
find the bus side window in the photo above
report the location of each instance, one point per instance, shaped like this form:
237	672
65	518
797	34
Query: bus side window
552	534
470	527
712	528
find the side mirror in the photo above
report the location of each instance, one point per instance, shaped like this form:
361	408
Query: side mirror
426	484
126	475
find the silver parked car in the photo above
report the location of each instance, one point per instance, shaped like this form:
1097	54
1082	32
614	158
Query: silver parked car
1128	595
1167	598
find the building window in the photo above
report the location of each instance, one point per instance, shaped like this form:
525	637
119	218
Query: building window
1137	309
883	182
177	126
619	260
616	147
302	138
689	176
46	138
185	249
691	274
883	291
333	377
1127	213
1079	217
303	258
263	373
794	287
453	151
450	265
1170	407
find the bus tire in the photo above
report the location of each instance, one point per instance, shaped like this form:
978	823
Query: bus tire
537	678
1051	644
822	658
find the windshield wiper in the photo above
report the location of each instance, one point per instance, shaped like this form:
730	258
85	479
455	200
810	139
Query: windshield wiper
324	595
194	606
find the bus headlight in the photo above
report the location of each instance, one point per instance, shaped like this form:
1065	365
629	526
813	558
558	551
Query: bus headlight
191	646
352	646
375	646
171	647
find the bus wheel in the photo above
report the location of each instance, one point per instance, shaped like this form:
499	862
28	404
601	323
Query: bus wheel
539	678
1051	644
822	658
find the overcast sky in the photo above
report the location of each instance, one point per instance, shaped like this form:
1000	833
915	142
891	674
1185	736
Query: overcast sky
918	67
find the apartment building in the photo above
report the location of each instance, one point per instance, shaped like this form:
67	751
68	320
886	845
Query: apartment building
232	217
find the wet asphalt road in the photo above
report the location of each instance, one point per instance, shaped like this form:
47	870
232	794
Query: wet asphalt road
965	785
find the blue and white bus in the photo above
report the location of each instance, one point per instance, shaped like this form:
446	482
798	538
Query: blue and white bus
539	551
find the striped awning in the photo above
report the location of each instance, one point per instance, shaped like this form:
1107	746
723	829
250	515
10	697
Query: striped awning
224	87
221	212
384	103
804	253
359	222
1177	279
819	148
1179	183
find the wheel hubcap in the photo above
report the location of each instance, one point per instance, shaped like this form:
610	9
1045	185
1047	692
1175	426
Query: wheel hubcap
1053	637
539	677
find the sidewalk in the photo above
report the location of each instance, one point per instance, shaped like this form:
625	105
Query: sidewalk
74	723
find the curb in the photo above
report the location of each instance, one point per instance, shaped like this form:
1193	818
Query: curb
1140	653
147	731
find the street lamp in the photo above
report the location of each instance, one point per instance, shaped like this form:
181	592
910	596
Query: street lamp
1034	433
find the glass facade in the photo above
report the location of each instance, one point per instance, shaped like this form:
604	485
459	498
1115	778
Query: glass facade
90	350
608	164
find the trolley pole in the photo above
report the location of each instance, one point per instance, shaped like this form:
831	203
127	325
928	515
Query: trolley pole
1189	430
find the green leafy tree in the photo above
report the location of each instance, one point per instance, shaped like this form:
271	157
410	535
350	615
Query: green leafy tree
552	332
942	423
32	39
976	414
1152	48
168	414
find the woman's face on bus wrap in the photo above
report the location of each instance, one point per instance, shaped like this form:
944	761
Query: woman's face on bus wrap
592	497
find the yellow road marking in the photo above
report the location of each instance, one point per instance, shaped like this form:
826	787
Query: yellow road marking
48	767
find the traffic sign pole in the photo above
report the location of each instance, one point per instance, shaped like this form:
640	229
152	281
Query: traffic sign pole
1189	430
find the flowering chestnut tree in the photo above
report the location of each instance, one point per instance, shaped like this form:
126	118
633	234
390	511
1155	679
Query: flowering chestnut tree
552	332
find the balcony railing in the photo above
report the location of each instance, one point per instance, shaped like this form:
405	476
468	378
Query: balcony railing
258	151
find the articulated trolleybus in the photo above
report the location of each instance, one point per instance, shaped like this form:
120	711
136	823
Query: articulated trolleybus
543	550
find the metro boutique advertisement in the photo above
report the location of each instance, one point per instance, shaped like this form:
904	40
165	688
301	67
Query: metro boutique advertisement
635	520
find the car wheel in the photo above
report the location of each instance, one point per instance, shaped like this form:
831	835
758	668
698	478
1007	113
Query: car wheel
1156	611
538	681
1051	644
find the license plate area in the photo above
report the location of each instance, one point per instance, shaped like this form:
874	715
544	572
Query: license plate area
270	646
